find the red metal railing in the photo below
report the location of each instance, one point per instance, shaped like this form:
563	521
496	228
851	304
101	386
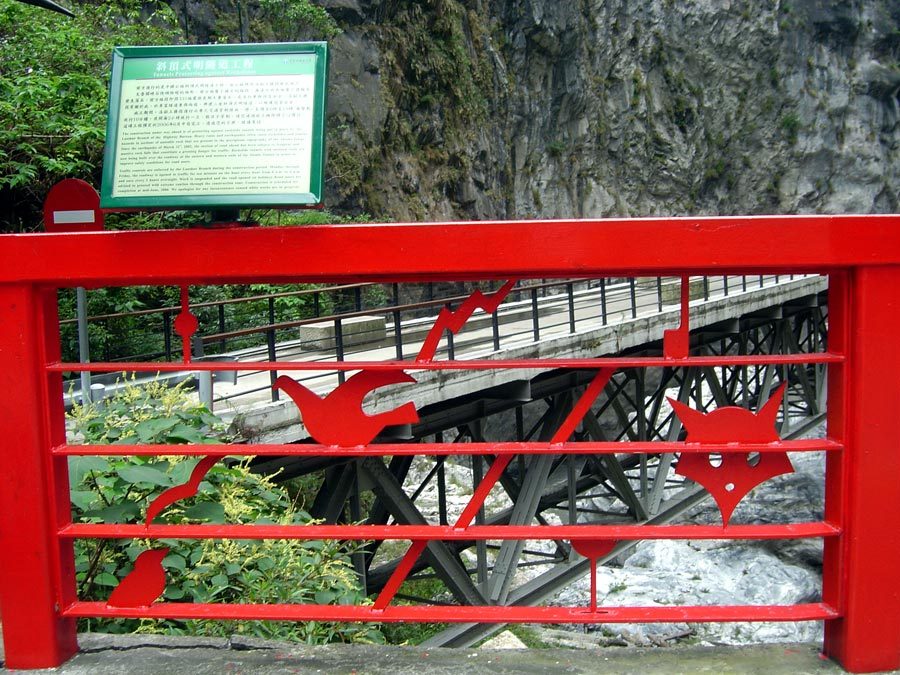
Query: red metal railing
861	254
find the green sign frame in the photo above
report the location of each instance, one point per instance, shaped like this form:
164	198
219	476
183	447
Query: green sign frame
196	67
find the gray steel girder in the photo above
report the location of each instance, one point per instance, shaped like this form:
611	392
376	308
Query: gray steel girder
445	562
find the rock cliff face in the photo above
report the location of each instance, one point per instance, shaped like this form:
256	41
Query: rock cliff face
445	109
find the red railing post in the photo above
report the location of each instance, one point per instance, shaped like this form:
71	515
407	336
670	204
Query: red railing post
37	577
863	490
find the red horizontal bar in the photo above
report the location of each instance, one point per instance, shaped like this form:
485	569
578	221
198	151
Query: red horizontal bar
473	364
816	611
448	532
392	449
457	251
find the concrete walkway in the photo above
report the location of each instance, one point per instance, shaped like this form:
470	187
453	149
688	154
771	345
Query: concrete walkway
116	654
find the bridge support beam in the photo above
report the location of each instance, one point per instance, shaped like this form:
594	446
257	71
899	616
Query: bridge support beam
444	561
863	486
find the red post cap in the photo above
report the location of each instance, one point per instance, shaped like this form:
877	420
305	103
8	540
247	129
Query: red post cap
72	205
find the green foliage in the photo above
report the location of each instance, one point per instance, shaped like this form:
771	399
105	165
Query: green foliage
790	125
638	87
292	20
618	588
306	217
556	149
411	634
682	112
346	165
433	71
528	636
148	413
118	489
157	220
415	633
715	170
53	93
294	306
113	338
54	74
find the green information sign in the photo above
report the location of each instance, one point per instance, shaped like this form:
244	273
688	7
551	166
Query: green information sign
216	126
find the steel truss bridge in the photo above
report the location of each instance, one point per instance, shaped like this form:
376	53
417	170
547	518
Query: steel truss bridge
561	488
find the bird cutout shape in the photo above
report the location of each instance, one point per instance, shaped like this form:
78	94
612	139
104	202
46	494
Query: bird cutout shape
338	419
730	480
454	320
183	491
144	584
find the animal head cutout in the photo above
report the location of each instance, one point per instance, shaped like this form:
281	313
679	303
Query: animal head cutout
731	476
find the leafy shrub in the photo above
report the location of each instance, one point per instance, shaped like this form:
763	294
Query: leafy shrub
54	73
118	489
790	124
53	93
147	413
297	20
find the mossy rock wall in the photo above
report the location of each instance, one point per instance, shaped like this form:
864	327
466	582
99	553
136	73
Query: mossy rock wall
449	109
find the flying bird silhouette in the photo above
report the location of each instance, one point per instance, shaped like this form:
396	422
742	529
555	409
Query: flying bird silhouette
338	419
739	472
144	584
182	491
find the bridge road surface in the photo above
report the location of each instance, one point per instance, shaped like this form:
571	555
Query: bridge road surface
267	421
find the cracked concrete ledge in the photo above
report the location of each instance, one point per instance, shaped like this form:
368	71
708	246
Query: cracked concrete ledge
101	654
